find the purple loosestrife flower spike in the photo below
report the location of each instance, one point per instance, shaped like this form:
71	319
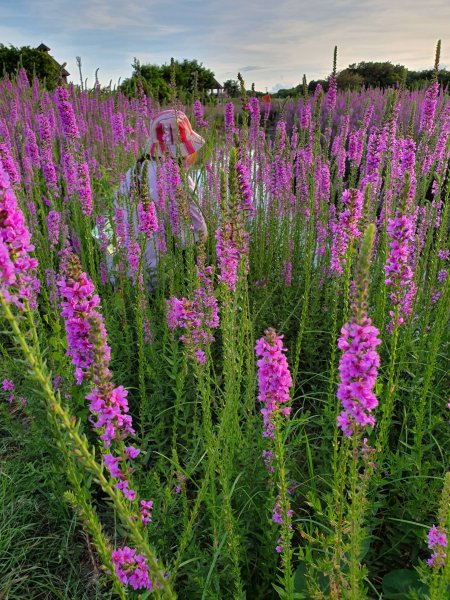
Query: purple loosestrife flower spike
429	108
199	110
84	189
7	161
358	367
437	541
346	229
53	219
228	256
18	281
196	317
274	379
148	220
245	188
66	115
398	268
91	354
131	568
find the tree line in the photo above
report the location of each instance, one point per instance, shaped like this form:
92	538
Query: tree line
193	79
372	75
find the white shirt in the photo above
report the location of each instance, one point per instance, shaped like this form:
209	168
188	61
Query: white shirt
123	199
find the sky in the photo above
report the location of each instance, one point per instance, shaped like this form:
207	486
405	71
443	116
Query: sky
271	42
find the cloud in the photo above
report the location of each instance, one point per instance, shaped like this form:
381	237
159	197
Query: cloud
276	43
281	86
250	68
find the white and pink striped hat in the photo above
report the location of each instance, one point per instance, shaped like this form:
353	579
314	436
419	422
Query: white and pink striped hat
172	132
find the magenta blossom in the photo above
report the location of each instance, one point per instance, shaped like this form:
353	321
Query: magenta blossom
358	370
197	317
437	541
18	281
274	379
131	568
398	269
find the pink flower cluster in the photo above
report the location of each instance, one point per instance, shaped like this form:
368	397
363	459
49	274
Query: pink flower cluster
233	243
229	118
399	273
197	317
18	281
117	129
53	219
245	188
148	221
131	568
78	305
347	227
437	541
66	115
332	92
84	188
199	111
277	517
90	353
146	507
274	379
9	386
7	162
228	256
358	370
429	108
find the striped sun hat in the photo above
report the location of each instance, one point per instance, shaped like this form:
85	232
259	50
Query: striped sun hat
171	132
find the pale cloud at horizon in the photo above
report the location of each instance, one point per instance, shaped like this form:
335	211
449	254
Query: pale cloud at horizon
272	45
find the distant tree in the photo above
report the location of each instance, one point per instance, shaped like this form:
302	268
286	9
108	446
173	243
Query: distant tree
185	75
420	79
231	87
348	80
33	61
155	79
314	83
379	74
149	78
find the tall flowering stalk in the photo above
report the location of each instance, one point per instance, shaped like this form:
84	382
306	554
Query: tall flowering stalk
429	108
67	117
76	444
199	111
18	281
90	354
358	367
358	373
232	237
53	221
437	538
197	317
347	228
274	383
398	268
274	380
332	89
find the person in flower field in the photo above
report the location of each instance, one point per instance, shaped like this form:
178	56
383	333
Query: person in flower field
172	146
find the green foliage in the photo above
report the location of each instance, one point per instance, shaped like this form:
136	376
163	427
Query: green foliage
43	552
373	75
155	79
35	63
358	527
231	87
378	74
400	584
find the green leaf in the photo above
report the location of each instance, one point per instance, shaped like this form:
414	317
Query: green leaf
301	583
398	584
